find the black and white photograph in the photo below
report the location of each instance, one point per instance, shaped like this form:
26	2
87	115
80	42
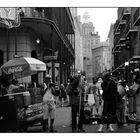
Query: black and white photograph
70	69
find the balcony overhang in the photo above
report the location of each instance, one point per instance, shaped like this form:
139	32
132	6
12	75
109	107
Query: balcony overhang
131	31
137	21
134	58
116	52
121	23
117	33
125	15
43	27
122	39
117	46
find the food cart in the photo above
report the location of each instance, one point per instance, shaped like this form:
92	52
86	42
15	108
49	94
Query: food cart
23	108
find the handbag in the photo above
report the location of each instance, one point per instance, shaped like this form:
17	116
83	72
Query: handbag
91	100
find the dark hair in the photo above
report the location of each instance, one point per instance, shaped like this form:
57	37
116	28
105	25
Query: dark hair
75	82
106	76
14	81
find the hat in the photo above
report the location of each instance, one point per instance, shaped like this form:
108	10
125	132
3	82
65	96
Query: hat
48	76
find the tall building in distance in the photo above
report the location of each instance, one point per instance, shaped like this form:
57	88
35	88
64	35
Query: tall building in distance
100	58
90	39
78	40
110	40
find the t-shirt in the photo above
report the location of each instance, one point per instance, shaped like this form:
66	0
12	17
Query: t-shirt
48	96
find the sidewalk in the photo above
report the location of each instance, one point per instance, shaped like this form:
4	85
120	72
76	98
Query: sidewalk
63	124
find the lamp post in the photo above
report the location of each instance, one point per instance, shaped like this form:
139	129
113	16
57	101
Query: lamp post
126	71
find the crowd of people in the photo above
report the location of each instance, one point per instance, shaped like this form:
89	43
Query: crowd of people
108	99
119	101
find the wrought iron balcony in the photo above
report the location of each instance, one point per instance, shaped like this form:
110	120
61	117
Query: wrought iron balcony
118	47
116	39
116	52
122	40
119	25
136	18
126	13
131	32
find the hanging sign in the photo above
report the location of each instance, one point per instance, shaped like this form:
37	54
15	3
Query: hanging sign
50	58
10	17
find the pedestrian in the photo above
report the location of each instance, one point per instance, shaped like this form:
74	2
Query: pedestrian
49	107
93	94
109	96
62	96
132	99
121	103
76	95
137	103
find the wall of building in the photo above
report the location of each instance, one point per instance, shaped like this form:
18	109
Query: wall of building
26	43
100	58
78	40
90	39
110	41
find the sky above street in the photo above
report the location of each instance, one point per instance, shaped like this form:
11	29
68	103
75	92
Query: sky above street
102	18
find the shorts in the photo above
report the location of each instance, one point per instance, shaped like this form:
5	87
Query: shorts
48	110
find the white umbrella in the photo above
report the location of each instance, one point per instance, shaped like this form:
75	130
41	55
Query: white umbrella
23	66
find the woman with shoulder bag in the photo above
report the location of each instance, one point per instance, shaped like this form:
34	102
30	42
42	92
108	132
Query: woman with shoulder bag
49	108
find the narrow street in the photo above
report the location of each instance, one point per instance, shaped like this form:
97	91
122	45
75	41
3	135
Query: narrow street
63	121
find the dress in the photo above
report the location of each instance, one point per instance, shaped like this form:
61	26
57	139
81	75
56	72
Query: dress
110	95
48	105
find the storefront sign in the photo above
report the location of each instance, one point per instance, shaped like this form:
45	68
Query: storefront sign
9	17
15	69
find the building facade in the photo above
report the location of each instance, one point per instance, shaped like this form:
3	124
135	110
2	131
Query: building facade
100	59
90	39
78	40
126	42
110	41
54	30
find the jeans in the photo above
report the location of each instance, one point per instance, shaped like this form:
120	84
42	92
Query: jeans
75	113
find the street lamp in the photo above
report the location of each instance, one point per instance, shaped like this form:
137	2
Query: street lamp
38	41
126	63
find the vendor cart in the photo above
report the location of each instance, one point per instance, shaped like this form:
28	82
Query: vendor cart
23	108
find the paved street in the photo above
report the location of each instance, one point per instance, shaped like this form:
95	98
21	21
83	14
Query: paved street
62	124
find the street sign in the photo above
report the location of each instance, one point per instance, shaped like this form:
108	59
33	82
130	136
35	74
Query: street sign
50	58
